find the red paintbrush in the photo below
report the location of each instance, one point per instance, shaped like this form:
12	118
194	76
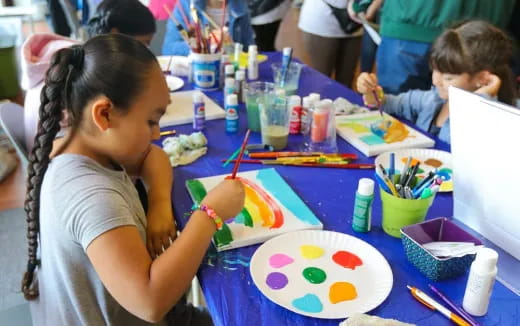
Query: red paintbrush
240	155
314	165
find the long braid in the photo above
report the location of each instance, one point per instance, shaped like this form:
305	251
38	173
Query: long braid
53	100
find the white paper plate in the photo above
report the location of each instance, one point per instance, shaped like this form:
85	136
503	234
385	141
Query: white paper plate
423	155
174	83
373	279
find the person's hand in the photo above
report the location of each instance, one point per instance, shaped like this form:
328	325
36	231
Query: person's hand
491	85
353	15
161	229
226	199
366	83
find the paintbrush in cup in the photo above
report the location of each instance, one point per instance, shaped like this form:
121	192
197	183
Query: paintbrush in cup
240	155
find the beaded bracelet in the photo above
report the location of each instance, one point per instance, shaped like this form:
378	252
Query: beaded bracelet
211	213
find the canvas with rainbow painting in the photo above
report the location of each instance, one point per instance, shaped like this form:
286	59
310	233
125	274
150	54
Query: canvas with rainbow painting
373	134
271	208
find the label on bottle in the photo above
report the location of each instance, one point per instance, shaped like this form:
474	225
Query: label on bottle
362	219
232	118
295	123
206	74
199	116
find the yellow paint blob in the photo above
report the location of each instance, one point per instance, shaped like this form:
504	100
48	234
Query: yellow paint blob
342	291
311	252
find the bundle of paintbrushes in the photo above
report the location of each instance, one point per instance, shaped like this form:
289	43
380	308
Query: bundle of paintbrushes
307	159
201	36
407	184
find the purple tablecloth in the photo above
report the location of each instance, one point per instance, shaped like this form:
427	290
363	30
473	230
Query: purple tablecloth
231	295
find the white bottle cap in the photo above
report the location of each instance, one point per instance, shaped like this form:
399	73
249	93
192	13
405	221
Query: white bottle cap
324	105
252	48
366	187
198	97
294	100
238	46
486	260
307	102
229	82
240	75
229	69
232	99
315	97
287	51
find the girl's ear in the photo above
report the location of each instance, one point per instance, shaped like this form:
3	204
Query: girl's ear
481	78
102	112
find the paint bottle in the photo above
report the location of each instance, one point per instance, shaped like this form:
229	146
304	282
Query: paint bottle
320	119
252	64
236	57
199	111
224	61
231	113
481	279
362	219
306	115
229	88
240	80
296	115
229	71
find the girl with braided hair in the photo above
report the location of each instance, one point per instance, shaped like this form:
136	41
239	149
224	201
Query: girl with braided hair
88	262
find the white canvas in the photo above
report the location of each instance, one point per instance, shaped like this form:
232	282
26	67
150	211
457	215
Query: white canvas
363	121
180	110
295	214
484	140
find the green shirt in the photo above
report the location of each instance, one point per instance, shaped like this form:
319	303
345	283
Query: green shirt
424	20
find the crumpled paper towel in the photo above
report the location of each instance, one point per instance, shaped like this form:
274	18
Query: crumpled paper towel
367	320
185	149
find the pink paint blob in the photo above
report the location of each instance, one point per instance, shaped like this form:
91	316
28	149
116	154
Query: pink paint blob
280	260
276	281
347	259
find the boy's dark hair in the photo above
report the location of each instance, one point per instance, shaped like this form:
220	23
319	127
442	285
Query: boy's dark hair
129	17
473	46
112	65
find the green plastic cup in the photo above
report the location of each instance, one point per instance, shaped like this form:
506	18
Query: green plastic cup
9	75
401	212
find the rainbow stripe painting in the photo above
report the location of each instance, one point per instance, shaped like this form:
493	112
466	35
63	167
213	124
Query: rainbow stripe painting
271	208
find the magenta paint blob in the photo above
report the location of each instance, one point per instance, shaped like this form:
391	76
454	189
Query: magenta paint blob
276	280
280	260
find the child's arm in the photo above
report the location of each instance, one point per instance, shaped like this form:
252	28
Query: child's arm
406	105
149	289
157	173
491	85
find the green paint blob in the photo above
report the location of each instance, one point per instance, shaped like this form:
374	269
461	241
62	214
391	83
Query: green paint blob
198	192
248	220
314	275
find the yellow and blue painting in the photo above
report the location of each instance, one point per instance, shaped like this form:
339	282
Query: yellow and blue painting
271	208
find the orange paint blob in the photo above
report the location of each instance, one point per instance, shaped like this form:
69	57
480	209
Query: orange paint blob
342	291
394	131
347	259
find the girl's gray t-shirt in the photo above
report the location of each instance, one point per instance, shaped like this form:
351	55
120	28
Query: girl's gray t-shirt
80	200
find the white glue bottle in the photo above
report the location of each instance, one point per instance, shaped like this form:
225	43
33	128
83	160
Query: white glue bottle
481	279
362	220
252	63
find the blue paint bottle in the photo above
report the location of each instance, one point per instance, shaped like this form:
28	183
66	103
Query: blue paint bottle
199	111
232	113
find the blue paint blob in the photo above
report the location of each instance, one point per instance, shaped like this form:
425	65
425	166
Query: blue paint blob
308	303
276	185
445	174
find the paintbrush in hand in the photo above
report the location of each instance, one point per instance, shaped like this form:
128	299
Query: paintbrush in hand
240	155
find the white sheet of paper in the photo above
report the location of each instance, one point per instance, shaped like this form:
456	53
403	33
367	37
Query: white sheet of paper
180	110
484	144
